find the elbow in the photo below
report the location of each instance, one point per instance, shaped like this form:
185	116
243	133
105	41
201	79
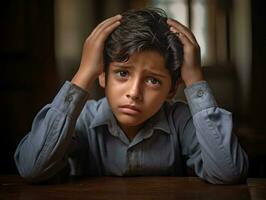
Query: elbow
233	178
35	176
38	173
30	177
26	165
225	179
234	175
28	173
238	173
28	170
234	172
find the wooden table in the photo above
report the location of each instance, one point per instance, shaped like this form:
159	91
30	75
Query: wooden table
257	188
137	188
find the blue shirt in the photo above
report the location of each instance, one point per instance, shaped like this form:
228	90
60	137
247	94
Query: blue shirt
85	136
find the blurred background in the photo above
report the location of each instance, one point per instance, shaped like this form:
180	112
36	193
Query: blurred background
41	44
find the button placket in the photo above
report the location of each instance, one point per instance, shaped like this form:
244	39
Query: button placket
129	160
132	157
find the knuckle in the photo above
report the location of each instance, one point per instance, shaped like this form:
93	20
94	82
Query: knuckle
195	47
88	42
105	31
88	39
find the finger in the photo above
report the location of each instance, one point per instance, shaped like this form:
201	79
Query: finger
107	30
184	39
105	23
182	29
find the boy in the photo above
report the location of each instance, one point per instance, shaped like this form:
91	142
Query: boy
134	131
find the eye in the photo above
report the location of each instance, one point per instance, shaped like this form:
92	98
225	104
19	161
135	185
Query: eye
121	73
153	81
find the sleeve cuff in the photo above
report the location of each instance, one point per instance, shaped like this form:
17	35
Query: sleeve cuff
70	99
199	97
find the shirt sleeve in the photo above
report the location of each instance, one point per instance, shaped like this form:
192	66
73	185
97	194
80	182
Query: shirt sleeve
213	150
42	152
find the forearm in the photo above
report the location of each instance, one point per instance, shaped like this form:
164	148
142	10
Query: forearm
84	79
42	153
222	158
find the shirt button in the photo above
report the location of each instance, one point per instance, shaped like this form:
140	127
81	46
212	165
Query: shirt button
200	93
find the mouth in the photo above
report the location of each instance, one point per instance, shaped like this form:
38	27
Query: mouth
129	109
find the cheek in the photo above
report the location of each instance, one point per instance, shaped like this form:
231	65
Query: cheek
155	99
161	93
113	88
153	105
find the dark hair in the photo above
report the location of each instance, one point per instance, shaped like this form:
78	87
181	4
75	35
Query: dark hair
145	29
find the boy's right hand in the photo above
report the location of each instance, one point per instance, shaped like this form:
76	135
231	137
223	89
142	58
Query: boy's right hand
91	65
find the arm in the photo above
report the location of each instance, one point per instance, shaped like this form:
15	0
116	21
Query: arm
207	139
91	65
208	142
43	152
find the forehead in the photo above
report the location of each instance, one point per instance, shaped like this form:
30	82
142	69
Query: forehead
144	61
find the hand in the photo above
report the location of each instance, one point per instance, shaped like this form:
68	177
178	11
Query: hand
91	65
191	71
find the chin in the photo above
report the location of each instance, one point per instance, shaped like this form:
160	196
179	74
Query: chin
128	121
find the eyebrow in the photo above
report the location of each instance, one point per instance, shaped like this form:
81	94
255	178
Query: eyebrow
157	74
122	65
128	66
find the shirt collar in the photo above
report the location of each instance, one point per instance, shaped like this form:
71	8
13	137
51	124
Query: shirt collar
104	116
158	122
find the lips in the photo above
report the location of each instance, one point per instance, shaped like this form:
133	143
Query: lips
129	109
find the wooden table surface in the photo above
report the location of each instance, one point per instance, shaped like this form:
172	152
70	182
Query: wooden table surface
137	188
257	188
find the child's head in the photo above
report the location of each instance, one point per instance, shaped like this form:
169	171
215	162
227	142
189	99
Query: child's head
142	64
142	30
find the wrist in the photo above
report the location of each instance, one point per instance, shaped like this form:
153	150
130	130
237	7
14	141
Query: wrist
193	78
84	80
193	81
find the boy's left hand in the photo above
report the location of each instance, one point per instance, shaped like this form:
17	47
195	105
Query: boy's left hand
191	71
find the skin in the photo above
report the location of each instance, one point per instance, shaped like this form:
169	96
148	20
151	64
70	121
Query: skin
136	89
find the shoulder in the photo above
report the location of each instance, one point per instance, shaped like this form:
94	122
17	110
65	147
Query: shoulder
91	108
89	112
177	110
178	115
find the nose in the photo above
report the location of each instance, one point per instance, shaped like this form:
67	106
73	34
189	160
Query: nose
135	90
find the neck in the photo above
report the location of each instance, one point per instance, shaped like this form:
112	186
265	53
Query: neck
131	131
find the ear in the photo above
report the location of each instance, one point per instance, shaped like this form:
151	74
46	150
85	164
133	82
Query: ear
172	93
102	79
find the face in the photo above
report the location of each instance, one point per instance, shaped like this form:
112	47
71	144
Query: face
136	89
